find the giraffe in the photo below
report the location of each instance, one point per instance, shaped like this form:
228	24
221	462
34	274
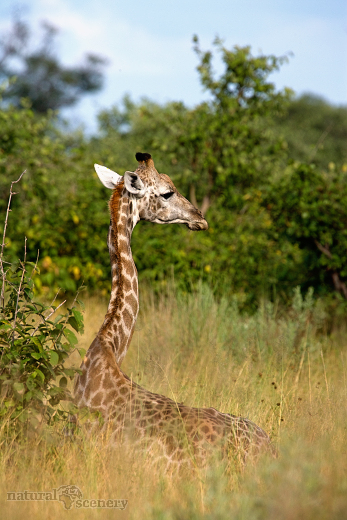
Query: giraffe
182	433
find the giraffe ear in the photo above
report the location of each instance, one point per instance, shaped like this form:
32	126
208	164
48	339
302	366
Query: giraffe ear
109	178
134	184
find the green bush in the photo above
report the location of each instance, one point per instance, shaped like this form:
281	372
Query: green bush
60	208
308	207
226	155
35	342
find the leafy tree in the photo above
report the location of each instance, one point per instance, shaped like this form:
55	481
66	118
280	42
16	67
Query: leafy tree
226	155
228	146
39	74
60	199
309	208
314	130
220	146
220	154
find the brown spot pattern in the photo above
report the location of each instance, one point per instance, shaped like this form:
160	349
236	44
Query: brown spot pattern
129	410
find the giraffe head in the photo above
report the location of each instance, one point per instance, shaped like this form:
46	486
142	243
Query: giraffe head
154	196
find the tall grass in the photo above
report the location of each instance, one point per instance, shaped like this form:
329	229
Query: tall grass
279	368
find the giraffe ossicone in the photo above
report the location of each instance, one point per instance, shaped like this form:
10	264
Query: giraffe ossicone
127	408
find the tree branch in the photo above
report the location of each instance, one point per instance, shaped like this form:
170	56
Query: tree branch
205	204
3	274
339	285
192	196
19	289
45	318
320	141
205	201
324	250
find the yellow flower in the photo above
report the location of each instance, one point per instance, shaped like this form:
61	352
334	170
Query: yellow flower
76	272
47	262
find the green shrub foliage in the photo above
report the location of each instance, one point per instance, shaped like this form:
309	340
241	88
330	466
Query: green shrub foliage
309	208
35	341
275	222
61	208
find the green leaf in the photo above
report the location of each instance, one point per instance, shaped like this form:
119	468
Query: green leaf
54	390
31	383
5	326
37	355
63	382
37	394
79	318
73	322
28	395
54	357
69	372
80	303
37	342
70	336
37	372
19	388
23	416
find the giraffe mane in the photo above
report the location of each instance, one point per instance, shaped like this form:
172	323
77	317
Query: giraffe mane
114	206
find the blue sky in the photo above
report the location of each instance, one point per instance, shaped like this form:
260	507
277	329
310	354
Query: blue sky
149	43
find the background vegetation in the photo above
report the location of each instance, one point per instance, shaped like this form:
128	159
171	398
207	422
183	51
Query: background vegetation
268	170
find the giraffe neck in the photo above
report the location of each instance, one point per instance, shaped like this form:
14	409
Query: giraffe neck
118	327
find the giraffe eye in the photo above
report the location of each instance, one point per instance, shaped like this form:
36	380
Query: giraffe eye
167	195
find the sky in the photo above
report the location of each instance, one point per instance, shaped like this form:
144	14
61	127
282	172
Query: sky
149	48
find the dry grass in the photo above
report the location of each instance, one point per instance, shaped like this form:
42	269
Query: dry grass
283	372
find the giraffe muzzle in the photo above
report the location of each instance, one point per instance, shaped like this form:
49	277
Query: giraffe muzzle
199	225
